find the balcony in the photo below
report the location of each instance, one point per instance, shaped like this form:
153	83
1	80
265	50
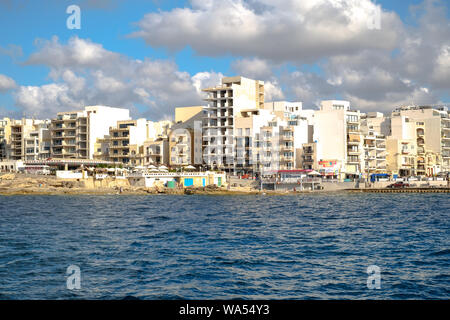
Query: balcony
353	160
287	138
287	147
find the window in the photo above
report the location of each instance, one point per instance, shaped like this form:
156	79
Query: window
247	132
352	118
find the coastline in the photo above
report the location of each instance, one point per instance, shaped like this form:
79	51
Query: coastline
13	185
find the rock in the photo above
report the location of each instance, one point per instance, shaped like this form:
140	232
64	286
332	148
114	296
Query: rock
8	176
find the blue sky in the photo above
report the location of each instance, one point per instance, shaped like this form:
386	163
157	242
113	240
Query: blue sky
109	23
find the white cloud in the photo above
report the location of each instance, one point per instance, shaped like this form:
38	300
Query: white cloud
254	68
84	73
6	83
283	30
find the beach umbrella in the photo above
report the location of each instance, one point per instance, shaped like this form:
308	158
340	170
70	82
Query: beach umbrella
190	167
163	167
314	173
154	170
151	167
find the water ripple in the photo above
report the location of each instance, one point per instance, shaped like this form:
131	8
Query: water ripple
241	247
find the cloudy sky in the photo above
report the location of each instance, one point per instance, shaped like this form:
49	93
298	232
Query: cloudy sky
152	56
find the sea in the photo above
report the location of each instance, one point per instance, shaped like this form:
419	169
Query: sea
310	246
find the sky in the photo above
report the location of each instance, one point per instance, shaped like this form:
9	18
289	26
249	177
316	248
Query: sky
152	56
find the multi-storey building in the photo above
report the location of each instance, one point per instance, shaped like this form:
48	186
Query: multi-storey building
5	137
432	135
401	158
338	137
185	137
126	140
74	134
156	152
225	103
37	142
308	157
30	140
374	127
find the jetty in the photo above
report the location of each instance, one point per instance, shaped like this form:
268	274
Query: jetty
401	190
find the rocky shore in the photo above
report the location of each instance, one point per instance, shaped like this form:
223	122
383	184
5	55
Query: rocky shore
20	184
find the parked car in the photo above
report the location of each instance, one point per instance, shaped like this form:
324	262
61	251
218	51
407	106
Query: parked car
397	185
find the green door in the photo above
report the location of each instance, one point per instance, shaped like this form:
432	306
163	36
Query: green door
219	181
171	184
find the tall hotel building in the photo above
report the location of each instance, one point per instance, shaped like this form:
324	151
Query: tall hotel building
226	102
74	134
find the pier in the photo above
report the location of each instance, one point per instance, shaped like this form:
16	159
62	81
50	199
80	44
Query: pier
403	190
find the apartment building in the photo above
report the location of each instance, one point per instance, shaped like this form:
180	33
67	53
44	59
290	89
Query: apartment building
374	129
156	152
338	137
432	134
307	157
185	137
5	137
225	103
37	142
247	145
30	140
74	134
401	146
126	140
401	159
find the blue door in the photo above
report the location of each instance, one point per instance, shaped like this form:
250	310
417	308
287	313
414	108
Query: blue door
204	181
188	182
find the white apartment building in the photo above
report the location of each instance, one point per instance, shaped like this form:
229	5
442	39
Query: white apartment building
225	104
5	136
374	129
74	134
281	142
156	152
338	137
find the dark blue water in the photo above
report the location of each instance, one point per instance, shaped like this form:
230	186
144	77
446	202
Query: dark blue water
214	247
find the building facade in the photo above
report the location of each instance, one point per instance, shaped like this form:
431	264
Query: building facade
337	135
75	134
225	103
